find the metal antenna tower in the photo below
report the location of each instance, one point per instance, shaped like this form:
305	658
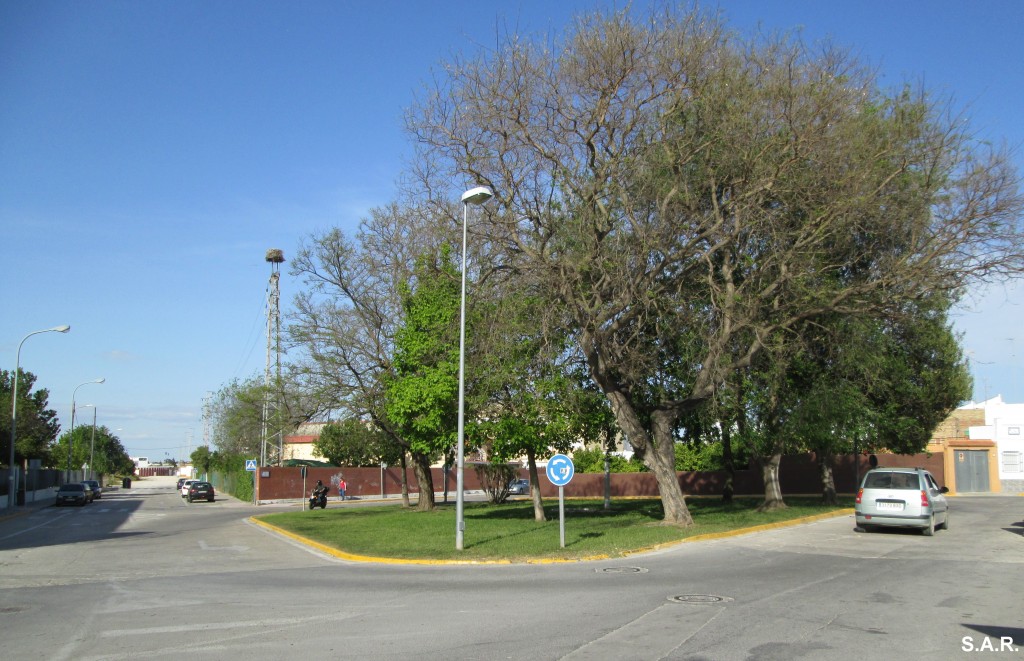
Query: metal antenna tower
207	406
275	258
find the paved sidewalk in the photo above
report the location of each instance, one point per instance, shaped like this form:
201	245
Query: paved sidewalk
30	506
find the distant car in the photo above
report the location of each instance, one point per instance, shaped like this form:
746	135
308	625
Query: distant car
519	487
201	491
97	490
181	481
901	498
73	493
89	493
185	485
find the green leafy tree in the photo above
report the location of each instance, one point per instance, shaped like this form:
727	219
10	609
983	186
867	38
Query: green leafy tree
237	414
97	445
422	394
530	400
699	456
353	442
592	461
37	423
202	460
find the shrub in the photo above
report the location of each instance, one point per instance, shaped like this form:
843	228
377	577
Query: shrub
494	479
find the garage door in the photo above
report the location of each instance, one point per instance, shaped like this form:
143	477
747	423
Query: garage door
971	471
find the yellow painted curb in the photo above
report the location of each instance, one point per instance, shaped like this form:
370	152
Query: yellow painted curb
544	561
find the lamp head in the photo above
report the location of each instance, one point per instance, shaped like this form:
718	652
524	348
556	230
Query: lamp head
61	329
477	195
100	380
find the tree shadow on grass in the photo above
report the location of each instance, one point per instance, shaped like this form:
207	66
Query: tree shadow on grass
648	509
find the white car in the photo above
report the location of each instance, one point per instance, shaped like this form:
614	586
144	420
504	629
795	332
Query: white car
185	485
902	498
520	487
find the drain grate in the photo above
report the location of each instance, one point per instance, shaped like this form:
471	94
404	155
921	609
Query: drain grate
621	570
699	599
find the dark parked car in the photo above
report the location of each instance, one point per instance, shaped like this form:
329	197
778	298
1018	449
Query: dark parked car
97	490
200	491
181	482
90	495
73	493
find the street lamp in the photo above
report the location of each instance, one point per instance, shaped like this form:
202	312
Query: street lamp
477	195
92	442
71	435
12	476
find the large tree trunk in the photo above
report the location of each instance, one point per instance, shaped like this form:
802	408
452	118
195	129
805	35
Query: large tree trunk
655	449
660	457
728	465
425	482
538	504
828	482
772	488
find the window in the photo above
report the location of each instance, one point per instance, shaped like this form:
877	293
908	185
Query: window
1012	462
1013	431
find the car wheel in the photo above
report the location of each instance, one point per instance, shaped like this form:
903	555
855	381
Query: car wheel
190	499
929	530
945	521
209	500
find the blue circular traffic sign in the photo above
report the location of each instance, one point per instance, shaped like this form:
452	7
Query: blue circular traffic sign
560	470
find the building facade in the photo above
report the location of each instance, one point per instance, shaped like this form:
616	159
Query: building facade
1003	425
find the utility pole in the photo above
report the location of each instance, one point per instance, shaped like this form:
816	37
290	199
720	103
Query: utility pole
206	418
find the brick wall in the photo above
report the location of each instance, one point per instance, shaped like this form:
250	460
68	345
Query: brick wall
798	474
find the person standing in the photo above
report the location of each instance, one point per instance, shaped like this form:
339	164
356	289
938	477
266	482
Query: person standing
341	488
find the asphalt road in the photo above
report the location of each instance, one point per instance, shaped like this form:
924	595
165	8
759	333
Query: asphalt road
141	573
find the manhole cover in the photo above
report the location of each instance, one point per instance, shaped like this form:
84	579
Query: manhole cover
622	570
699	599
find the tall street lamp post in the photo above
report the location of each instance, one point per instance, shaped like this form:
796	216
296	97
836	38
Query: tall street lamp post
477	195
92	442
12	474
71	435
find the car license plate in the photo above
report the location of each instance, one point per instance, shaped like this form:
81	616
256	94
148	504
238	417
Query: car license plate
889	505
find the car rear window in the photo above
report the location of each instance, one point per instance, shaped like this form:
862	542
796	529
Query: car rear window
891	481
73	487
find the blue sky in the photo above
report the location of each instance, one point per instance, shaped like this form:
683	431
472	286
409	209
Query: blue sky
151	152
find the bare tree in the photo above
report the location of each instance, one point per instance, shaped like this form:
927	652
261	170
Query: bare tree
347	318
688	198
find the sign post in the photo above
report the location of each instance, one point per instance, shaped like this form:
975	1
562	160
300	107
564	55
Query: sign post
250	465
560	471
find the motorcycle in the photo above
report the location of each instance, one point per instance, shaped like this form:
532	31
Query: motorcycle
318	500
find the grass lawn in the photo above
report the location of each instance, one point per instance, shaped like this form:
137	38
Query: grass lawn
508	532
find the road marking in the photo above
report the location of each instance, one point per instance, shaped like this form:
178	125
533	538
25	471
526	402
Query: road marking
206	547
215	626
